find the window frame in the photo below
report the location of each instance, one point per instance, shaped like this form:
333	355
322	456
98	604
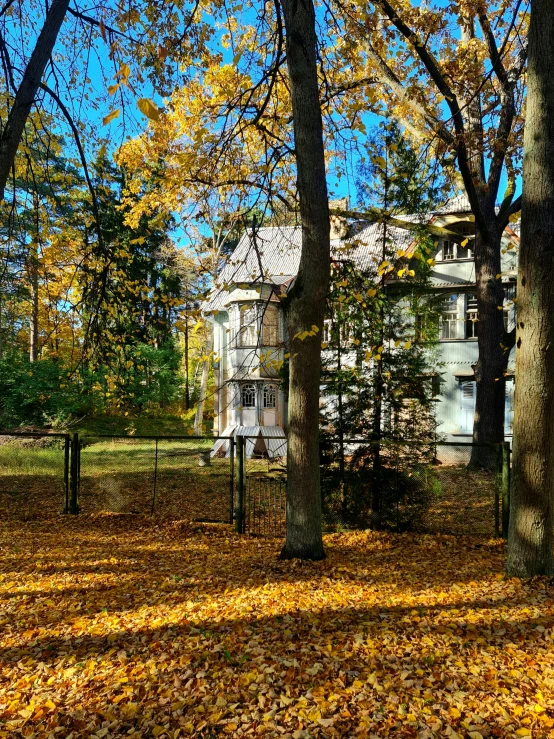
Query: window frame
452	321
250	330
249	387
470	323
267	328
270	388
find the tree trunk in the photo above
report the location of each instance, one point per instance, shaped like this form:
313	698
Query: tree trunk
187	389
199	417
32	271
488	424
25	96
306	304
530	536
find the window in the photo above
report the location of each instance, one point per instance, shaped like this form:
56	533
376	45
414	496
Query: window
449	318
467	405
448	250
248	325
472	317
270	396
248	396
270	326
327	331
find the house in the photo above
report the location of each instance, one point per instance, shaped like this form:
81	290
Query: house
250	337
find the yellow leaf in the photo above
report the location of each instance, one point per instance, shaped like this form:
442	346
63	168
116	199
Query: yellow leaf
158	730
148	108
110	117
523	732
124	72
113	88
464	242
372	292
539	709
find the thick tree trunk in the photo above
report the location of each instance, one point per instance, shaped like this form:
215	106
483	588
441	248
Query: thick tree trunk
530	536
306	305
25	96
488	424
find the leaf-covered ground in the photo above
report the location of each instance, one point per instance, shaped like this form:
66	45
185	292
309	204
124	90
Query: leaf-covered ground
115	626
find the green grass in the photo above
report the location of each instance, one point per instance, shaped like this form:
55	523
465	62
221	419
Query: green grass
140	425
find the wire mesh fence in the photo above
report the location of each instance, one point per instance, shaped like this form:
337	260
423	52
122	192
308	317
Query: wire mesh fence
173	477
428	488
34	474
398	486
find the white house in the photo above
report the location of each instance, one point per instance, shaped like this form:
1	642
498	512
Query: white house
249	331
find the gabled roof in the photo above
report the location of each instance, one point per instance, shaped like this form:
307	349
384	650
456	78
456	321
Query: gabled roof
271	255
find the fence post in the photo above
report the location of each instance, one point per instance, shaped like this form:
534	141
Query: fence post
232	478
155	478
74	475
239	511
66	459
505	488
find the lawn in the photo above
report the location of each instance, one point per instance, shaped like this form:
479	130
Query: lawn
118	626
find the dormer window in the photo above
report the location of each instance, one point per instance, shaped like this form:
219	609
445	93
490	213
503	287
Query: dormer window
448	250
451	250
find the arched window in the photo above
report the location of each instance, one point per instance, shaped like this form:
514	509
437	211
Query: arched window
270	396
248	325
270	326
248	396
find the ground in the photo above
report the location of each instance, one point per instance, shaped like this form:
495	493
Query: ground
118	625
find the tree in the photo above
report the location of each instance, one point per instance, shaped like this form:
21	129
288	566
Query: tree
530	538
305	306
455	78
382	316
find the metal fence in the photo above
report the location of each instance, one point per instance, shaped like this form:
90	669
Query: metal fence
172	477
397	486
34	474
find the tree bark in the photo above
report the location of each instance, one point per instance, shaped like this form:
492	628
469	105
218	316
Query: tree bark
306	304
488	424
530	536
26	93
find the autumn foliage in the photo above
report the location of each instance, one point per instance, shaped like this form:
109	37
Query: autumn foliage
117	626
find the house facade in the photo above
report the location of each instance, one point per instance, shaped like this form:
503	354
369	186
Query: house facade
249	335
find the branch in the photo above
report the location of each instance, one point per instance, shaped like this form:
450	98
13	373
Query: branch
389	78
510	209
73	127
93	22
434	71
25	96
374	215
